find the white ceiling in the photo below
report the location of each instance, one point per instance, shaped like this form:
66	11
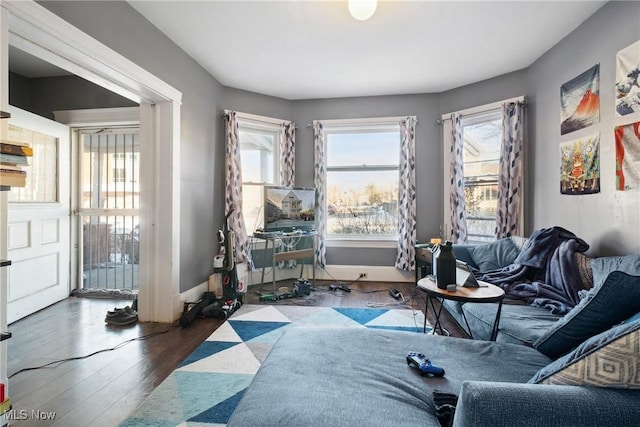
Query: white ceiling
314	49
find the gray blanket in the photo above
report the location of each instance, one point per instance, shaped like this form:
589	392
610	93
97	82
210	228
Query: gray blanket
545	273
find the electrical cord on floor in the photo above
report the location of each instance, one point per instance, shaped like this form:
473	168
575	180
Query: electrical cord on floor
370	291
402	303
340	282
104	350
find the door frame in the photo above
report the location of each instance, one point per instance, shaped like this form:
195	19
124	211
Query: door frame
76	120
35	30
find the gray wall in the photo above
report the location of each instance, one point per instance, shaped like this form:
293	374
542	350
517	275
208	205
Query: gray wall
119	26
48	94
608	221
20	91
485	92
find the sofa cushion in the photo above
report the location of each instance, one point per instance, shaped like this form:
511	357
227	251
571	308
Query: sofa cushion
519	324
519	242
494	255
461	252
607	304
610	359
602	266
358	376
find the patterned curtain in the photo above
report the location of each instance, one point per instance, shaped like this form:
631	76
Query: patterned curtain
320	180
456	183
405	259
510	170
287	154
233	189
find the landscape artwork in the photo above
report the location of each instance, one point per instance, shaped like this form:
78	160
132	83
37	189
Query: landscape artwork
628	80
580	166
580	99
628	157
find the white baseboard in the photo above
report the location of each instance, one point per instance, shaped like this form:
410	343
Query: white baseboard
344	273
193	294
349	273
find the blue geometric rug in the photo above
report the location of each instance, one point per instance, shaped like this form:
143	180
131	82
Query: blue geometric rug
206	387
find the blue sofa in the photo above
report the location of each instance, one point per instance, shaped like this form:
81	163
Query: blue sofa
581	369
519	323
328	377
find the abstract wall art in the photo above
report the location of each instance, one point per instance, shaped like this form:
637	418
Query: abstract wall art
628	157
580	166
580	101
628	80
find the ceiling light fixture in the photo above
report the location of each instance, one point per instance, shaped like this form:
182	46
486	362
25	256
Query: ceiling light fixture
362	9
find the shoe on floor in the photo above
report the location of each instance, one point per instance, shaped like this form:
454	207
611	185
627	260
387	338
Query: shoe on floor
121	317
126	309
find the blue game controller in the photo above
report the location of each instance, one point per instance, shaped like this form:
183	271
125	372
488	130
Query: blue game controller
424	365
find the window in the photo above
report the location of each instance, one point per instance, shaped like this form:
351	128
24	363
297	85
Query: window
259	156
362	160
482	136
42	170
119	174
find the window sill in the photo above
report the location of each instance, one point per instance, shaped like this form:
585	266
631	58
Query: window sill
361	243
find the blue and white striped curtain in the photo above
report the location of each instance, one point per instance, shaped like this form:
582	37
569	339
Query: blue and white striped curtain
320	182
405	259
510	171
456	184
287	154
233	188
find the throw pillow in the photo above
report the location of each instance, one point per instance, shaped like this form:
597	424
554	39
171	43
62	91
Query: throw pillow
584	269
604	265
494	255
611	359
633	318
604	306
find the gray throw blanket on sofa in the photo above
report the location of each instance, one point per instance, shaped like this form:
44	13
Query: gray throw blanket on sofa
545	273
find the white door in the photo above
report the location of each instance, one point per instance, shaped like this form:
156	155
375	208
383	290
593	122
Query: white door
38	239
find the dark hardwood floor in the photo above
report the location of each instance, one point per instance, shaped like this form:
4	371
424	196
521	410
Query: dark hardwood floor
103	389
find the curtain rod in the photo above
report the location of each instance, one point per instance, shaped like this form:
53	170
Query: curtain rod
256	118
474	111
369	121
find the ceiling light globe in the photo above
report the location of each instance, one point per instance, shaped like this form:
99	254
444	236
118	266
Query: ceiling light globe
362	9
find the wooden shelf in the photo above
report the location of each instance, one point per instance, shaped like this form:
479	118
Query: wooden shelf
285	256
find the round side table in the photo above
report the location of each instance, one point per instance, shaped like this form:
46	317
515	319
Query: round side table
486	293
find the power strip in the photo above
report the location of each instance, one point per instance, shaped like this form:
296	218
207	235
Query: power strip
395	293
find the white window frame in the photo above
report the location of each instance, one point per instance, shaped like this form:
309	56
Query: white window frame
489	115
447	127
119	174
267	126
367	125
